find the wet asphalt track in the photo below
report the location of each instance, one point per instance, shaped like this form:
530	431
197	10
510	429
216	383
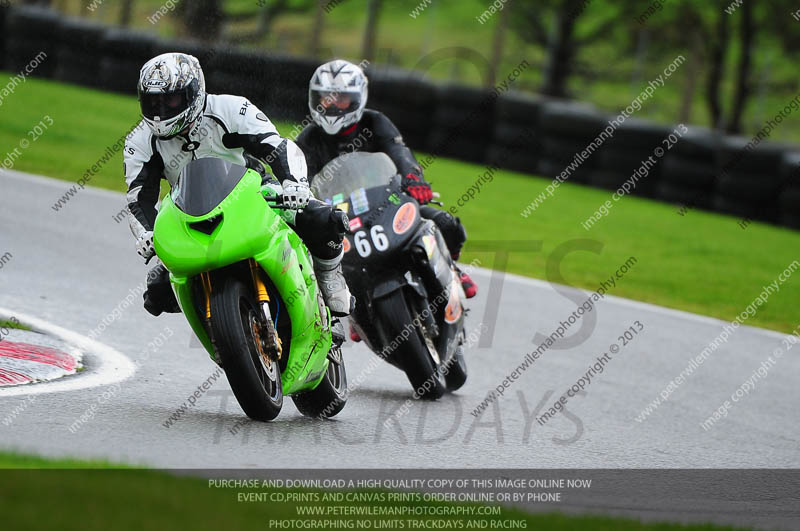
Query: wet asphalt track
75	266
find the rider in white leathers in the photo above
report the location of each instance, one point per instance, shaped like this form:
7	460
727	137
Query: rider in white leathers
184	123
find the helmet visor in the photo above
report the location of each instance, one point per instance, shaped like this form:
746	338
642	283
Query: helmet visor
335	103
168	104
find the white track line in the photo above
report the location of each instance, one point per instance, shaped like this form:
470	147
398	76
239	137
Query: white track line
620	301
61	184
106	365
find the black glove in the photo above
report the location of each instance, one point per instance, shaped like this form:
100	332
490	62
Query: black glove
417	188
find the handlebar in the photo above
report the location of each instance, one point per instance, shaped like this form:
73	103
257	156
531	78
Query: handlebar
277	202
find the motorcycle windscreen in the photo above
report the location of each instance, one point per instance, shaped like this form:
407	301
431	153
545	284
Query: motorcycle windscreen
349	172
205	183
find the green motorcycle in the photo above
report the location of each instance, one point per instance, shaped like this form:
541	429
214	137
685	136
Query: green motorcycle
246	284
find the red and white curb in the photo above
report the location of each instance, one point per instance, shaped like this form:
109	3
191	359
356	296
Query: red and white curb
43	361
29	362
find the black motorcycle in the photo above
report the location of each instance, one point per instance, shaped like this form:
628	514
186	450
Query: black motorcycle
409	307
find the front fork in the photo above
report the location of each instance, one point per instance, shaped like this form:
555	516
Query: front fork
262	295
263	299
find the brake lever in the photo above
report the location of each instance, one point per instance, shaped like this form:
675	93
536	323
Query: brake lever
275	201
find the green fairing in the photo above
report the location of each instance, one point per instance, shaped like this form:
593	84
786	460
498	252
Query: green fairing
250	229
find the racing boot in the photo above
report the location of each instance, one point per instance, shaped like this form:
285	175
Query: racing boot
333	286
469	285
159	297
354	337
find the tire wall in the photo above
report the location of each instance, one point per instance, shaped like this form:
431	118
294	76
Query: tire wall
511	130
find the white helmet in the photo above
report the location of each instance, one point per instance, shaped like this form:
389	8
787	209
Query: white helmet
172	93
337	95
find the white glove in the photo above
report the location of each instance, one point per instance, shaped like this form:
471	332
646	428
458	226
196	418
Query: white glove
144	246
296	195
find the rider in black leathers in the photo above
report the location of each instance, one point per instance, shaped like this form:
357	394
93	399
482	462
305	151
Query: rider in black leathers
342	124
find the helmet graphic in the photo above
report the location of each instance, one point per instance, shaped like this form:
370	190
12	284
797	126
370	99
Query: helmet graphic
337	95
172	92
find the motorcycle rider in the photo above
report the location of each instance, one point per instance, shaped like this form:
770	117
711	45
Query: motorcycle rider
185	123
337	99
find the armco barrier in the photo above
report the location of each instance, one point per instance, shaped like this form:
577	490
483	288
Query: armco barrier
408	99
234	71
618	164
3	14
79	52
29	32
462	123
790	189
515	131
748	183
516	141
124	53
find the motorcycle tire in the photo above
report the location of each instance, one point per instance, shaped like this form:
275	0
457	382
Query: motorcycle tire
236	320
456	375
330	396
422	370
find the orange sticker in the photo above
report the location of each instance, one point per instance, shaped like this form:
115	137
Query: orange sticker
346	244
404	218
453	310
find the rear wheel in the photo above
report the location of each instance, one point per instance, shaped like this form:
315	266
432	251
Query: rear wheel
457	367
238	329
330	396
415	350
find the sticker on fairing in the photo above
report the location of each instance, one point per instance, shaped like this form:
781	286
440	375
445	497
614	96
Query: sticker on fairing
453	310
355	224
429	241
359	201
338	198
404	218
344	207
346	244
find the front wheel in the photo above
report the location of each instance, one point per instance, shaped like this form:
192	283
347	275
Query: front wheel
414	349
237	327
330	396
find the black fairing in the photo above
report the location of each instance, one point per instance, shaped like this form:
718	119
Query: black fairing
389	249
409	261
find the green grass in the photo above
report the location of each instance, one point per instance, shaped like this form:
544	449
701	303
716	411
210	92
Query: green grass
13	324
15	461
59	497
702	262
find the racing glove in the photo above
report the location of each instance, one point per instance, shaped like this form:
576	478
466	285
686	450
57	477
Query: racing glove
144	246
417	188
296	195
